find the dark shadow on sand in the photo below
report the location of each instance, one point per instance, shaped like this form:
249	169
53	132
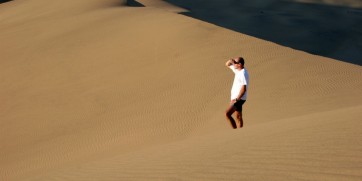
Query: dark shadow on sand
134	3
330	31
4	1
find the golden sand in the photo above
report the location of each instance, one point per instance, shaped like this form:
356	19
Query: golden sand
96	90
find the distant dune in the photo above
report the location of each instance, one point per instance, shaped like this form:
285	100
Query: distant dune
98	90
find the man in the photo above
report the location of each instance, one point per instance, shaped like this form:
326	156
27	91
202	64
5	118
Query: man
239	91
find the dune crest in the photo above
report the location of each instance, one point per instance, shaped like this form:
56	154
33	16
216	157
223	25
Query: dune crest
162	5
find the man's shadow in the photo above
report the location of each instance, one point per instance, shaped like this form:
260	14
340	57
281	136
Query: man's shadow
331	31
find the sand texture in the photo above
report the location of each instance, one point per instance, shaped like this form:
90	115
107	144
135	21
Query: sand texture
99	90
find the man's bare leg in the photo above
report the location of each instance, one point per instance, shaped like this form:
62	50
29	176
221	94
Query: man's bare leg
239	119
229	112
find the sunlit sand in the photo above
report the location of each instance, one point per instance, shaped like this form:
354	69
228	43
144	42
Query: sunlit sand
98	90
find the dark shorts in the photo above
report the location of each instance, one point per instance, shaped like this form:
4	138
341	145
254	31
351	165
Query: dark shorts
238	105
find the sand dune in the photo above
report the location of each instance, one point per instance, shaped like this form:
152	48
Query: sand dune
96	90
308	148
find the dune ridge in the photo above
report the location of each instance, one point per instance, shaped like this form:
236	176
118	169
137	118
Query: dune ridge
162	5
96	90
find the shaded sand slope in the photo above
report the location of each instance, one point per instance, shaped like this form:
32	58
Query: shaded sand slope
93	90
326	28
348	3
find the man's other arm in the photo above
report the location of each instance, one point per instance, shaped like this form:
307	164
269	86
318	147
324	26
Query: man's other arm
242	92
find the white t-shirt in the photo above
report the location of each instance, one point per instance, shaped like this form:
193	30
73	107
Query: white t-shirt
241	78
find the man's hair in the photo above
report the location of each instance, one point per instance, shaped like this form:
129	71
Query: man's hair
240	60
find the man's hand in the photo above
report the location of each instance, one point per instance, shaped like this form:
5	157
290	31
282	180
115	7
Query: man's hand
229	62
232	102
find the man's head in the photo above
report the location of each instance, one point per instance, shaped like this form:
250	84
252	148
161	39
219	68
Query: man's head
239	62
